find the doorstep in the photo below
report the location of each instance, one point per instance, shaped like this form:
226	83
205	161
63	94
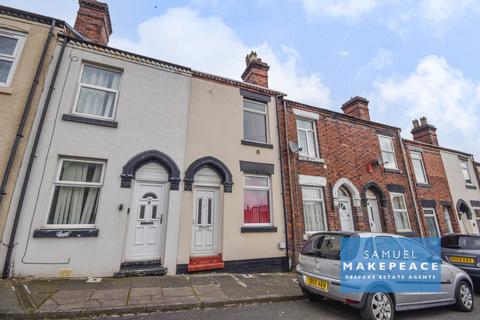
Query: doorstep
205	263
141	268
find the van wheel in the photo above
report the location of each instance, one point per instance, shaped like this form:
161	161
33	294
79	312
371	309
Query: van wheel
379	306
464	297
311	296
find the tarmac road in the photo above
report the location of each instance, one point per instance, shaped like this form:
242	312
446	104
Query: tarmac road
303	310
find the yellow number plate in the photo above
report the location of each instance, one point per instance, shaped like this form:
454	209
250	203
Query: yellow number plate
462	259
320	284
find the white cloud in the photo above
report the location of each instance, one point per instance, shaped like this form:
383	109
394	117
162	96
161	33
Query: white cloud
348	9
440	92
182	36
383	59
438	13
344	53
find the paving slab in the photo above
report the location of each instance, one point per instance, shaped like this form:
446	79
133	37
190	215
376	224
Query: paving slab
103	294
149	291
175	282
210	293
178	292
145	282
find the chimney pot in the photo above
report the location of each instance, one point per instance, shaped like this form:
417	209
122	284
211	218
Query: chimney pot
357	107
93	21
256	71
424	132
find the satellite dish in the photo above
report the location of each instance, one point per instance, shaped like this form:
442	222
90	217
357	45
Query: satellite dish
294	147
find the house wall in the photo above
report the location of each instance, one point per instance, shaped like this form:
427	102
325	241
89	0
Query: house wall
435	194
347	146
151	113
12	102
216	129
458	188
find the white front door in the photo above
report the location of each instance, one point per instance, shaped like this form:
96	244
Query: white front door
205	222
346	219
374	215
146	220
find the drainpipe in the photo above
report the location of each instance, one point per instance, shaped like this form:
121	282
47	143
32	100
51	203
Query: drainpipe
282	166
294	236
32	157
410	185
26	111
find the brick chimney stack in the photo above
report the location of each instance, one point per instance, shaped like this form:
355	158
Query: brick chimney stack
256	71
424	132
357	107
93	21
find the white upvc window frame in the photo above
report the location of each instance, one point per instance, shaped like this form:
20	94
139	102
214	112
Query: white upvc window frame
448	219
393	166
395	211
267	188
265	113
90	86
418	156
15	57
60	183
316	156
432	213
467	170
321	200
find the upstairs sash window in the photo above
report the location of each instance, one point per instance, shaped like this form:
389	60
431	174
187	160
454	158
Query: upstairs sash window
98	92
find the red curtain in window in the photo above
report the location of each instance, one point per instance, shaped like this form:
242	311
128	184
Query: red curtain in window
256	207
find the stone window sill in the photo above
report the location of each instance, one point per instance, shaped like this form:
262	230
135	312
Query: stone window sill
304	158
258	229
388	170
65	233
97	122
257	144
6	90
424	185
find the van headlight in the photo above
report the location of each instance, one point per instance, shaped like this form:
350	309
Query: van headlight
478	264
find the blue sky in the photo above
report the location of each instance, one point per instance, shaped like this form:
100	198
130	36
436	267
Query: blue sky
410	58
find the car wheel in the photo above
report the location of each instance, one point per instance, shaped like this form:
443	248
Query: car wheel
379	306
464	297
311	296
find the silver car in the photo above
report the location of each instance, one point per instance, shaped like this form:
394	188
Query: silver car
318	274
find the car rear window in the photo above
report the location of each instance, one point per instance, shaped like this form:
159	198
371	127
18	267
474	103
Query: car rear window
327	246
450	242
469	243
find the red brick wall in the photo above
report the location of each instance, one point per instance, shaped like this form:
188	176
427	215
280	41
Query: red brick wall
437	188
347	145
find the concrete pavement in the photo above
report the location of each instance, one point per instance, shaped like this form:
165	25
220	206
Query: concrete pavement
62	298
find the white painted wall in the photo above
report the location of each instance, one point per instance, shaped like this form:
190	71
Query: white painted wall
152	113
458	188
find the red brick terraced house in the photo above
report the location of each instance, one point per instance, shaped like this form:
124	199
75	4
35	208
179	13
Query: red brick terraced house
343	172
430	178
